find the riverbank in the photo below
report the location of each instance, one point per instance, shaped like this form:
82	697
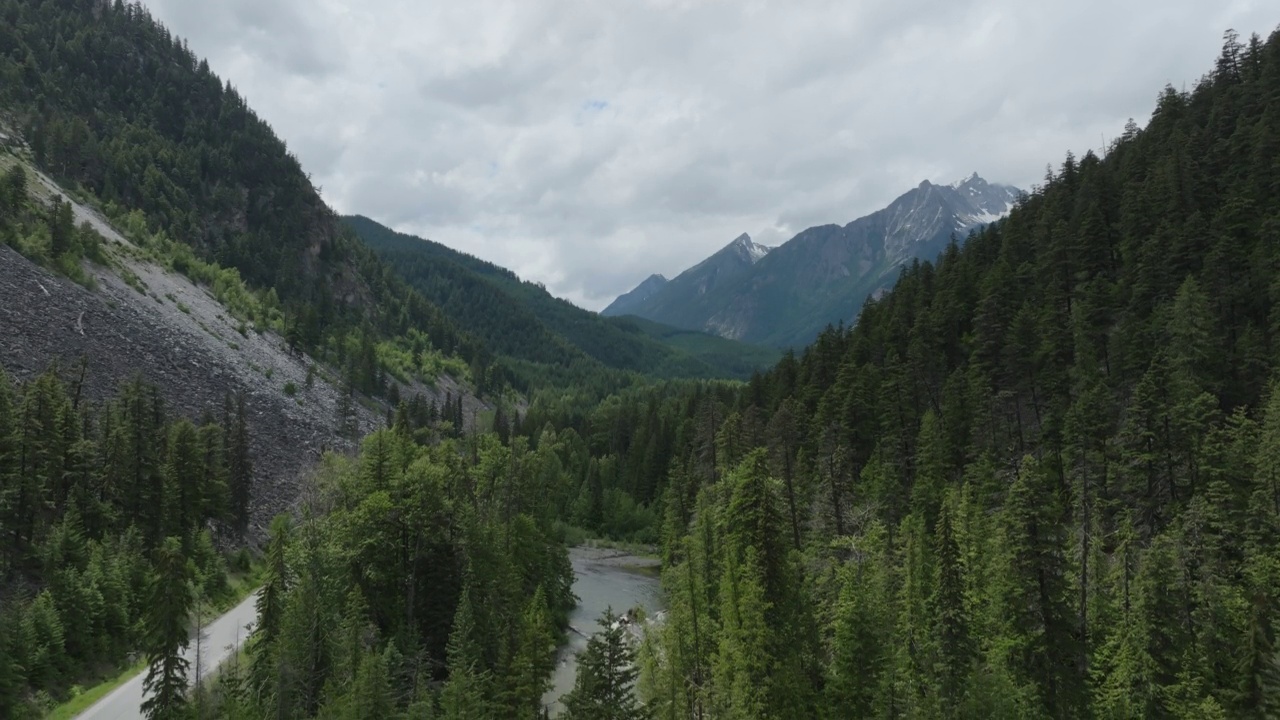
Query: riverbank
641	558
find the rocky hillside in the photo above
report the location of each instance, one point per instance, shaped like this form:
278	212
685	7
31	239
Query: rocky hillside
822	276
144	319
111	102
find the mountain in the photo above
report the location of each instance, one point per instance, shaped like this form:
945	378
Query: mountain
172	153
543	336
729	263
784	297
627	302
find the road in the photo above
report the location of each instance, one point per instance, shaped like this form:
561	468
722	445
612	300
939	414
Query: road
219	640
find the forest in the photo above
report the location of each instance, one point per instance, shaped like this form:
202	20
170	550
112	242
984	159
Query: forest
90	500
427	580
1036	480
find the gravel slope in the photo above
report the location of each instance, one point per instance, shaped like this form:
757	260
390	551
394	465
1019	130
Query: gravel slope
182	340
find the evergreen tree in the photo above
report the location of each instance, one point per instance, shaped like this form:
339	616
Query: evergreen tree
604	689
1037	591
276	584
465	695
169	605
956	652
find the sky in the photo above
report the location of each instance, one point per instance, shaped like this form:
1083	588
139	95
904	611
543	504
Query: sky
586	144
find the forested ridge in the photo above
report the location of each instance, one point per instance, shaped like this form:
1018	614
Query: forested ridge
113	106
548	341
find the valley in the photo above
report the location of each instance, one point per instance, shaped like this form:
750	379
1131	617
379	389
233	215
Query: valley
983	452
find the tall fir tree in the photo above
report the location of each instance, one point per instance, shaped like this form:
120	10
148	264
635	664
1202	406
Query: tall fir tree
170	602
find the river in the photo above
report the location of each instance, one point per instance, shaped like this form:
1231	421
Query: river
601	579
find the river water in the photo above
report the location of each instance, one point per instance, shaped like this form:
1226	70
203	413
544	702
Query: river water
601	579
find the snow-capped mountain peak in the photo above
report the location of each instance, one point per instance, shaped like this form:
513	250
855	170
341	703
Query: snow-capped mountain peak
785	296
979	202
751	251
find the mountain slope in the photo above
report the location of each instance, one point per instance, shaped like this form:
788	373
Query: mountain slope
822	276
142	320
228	272
667	300
627	303
109	101
522	321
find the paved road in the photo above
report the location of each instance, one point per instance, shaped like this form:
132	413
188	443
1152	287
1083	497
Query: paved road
218	641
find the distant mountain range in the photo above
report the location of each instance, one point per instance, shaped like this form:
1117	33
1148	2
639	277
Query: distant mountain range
785	296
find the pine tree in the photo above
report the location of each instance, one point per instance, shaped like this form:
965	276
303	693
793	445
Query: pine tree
860	641
1258	668
373	694
169	605
604	689
302	650
183	498
740	671
61	227
528	677
1036	595
43	643
465	695
276	583
955	645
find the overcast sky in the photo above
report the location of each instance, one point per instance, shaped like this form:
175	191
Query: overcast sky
587	144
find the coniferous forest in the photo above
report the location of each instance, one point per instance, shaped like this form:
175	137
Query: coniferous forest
90	499
1040	478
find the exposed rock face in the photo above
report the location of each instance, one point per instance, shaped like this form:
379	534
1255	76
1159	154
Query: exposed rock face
179	338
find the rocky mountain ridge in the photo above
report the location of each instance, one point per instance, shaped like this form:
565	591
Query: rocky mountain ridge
784	296
653	300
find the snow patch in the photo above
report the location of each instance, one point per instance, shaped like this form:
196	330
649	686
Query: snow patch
755	252
985	218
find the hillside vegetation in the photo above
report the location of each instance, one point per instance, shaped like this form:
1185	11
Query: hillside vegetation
114	107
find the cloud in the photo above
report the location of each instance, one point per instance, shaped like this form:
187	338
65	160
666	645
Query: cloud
586	145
